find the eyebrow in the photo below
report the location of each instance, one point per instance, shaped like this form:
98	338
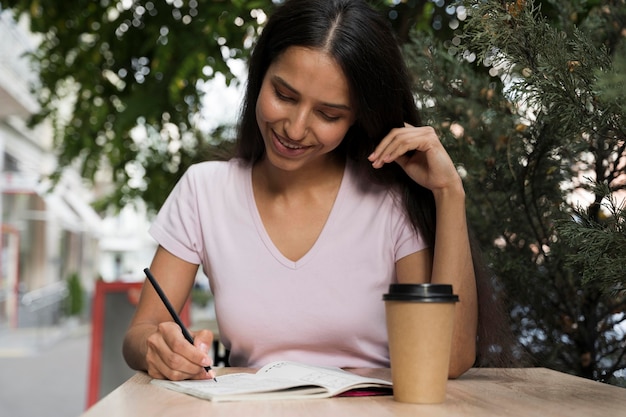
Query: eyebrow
285	84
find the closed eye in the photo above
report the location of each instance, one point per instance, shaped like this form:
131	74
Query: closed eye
282	96
329	117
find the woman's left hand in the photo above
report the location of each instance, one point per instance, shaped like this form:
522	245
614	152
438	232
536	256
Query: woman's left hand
429	165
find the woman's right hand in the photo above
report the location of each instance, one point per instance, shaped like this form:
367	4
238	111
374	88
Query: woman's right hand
153	342
170	356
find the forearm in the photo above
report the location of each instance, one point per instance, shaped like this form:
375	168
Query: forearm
452	264
152	335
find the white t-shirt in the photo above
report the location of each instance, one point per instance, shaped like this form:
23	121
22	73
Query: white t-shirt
324	309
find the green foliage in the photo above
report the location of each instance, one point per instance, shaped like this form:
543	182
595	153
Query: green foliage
108	68
598	242
75	301
611	84
526	125
122	82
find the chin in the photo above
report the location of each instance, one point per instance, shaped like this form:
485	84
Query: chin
284	164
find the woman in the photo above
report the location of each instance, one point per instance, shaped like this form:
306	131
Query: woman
335	192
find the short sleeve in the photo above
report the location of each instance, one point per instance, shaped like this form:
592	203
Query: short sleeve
176	227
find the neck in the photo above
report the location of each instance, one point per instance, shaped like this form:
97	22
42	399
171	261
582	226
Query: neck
326	172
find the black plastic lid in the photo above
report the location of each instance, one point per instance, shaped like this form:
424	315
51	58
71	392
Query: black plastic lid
423	293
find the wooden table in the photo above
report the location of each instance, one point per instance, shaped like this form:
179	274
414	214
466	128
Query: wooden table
480	392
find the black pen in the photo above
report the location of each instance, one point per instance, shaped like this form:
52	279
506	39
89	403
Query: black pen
173	313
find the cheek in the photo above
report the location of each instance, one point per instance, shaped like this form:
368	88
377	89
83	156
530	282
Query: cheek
267	109
333	134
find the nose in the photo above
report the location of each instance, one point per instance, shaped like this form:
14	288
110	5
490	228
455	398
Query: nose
296	126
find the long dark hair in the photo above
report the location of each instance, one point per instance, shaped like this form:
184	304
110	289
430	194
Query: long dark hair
363	44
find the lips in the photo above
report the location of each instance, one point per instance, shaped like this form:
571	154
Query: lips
287	147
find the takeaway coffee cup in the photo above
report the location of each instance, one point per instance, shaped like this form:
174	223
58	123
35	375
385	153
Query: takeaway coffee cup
420	318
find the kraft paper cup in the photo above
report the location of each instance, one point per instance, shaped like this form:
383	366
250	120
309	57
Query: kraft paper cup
420	319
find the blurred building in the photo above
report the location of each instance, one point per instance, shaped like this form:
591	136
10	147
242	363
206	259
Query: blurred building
46	234
126	248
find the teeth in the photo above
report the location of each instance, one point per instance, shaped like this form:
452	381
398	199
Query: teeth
289	145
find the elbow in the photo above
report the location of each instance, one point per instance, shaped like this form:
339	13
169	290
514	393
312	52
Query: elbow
129	355
461	363
126	353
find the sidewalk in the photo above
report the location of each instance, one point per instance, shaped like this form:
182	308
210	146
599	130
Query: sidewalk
44	371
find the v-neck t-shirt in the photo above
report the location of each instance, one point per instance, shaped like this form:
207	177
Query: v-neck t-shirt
325	308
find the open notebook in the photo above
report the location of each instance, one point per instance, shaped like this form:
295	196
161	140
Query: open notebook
281	380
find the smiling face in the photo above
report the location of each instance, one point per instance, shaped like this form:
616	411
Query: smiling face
304	108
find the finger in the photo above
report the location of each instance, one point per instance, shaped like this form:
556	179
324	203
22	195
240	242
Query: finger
164	361
177	367
160	369
154	372
173	356
387	139
193	356
203	336
403	142
203	340
374	156
397	143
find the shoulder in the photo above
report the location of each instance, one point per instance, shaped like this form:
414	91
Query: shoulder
205	186
216	172
230	167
